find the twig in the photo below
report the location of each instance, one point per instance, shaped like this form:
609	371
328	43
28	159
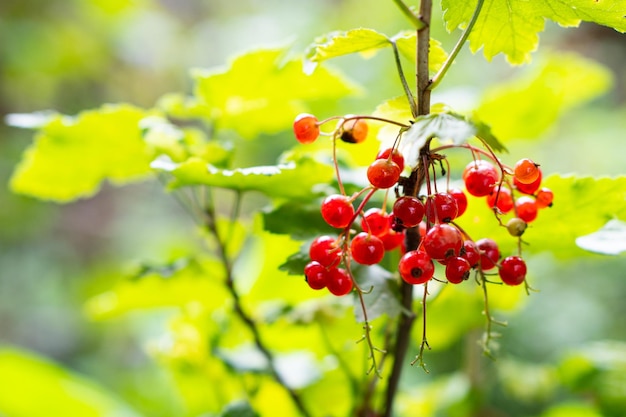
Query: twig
405	85
415	19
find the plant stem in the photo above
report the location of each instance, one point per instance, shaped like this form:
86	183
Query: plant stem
405	85
411	187
457	48
211	224
415	19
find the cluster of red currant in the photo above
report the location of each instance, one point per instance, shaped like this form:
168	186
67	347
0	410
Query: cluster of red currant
441	238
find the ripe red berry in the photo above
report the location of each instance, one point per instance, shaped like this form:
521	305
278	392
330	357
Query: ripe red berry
392	240
461	200
316	275
354	130
325	250
526	171
338	281
376	222
512	270
480	178
443	241
367	249
383	173
441	208
526	208
416	267
470	252
545	196
528	188
457	270
337	210
396	156
409	211
489	253
502	198
305	128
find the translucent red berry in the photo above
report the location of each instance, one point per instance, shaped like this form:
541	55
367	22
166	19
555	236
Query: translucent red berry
441	208
325	250
316	275
470	252
489	253
376	222
480	178
526	208
409	211
502	198
305	128
367	249
396	156
443	241
544	199
528	188
354	131
338	281
392	240
337	210
457	270
512	270
461	200
526	171
383	173
416	267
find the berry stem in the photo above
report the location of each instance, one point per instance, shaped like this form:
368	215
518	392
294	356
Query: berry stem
420	356
457	48
488	335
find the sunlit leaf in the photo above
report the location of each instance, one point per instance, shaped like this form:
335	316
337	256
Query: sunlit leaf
512	27
290	180
261	93
407	46
239	409
58	392
530	104
72	156
608	240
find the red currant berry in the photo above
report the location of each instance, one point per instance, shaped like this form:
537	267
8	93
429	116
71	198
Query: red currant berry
354	130
337	210
526	171
443	241
376	222
544	198
408	210
457	270
512	270
305	128
396	156
367	249
489	253
470	252
528	188
526	208
500	198
461	200
392	240
325	250
383	173
441	208
480	178
416	267
316	275
338	281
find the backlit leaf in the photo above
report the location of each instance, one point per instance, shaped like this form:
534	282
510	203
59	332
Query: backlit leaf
609	240
511	27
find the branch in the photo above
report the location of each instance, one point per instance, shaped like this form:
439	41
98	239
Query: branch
457	48
408	12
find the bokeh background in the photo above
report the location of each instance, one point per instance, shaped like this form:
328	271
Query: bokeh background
71	55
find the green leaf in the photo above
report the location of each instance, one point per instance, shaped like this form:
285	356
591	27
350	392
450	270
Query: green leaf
368	41
383	297
608	240
58	392
298	219
261	93
72	156
512	27
239	409
527	106
290	180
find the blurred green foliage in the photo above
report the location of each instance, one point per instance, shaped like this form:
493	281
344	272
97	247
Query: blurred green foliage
113	289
